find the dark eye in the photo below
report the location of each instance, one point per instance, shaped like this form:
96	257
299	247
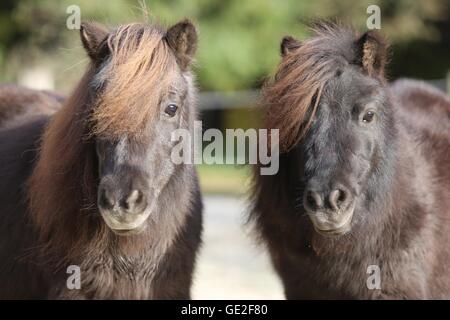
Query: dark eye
368	117
171	109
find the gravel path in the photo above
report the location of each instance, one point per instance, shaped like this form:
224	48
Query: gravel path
230	265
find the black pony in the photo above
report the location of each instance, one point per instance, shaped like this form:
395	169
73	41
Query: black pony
360	207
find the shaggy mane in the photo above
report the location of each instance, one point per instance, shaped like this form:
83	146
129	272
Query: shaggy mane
140	62
64	178
292	96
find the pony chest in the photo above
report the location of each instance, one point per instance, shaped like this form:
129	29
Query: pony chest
118	277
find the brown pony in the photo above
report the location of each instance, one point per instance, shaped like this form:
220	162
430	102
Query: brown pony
360	207
16	102
91	192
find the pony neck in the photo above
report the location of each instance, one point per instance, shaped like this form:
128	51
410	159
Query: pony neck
62	186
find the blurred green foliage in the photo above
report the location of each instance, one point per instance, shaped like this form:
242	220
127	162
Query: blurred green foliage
239	39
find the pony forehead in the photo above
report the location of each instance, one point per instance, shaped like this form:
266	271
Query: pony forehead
139	70
133	48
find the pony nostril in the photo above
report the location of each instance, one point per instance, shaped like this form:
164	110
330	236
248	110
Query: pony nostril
337	198
312	200
106	200
134	199
342	196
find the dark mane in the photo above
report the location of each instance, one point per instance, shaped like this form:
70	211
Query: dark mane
60	186
292	96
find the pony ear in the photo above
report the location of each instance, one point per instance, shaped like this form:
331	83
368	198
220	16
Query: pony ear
92	35
182	38
289	44
371	53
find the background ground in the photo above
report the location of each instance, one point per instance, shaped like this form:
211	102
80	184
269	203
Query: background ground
230	265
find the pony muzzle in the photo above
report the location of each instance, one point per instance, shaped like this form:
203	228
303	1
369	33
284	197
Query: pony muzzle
330	212
125	224
334	223
124	213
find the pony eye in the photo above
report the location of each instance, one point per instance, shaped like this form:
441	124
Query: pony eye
368	117
171	110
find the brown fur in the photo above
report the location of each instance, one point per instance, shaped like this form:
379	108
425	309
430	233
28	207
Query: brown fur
65	183
16	101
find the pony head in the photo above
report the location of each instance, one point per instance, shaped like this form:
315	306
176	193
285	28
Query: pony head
143	91
329	100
